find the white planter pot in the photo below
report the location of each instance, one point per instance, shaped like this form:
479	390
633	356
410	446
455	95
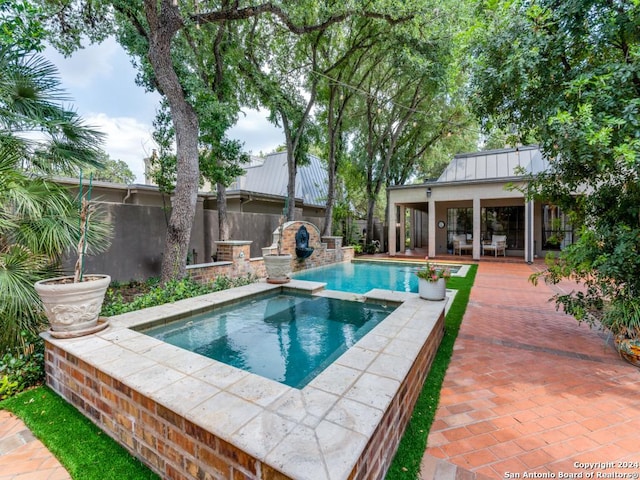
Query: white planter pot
432	290
278	268
73	308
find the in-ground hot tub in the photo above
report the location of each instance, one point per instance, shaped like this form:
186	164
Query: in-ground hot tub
287	337
188	416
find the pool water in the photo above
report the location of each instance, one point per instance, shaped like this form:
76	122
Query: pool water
285	337
360	277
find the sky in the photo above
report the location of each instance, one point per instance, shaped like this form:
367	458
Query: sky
101	83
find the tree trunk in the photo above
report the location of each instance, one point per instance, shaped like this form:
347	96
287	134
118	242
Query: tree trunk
291	168
291	187
371	206
223	221
331	170
331	195
164	23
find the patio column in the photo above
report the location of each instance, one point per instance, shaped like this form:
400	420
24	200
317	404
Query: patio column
391	236
403	228
477	228
431	228
529	237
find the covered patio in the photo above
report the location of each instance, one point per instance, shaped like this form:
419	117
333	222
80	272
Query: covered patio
478	196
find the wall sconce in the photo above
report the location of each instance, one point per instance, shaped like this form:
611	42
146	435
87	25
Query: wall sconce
428	192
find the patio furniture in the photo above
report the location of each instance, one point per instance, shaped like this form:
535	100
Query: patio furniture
460	244
498	245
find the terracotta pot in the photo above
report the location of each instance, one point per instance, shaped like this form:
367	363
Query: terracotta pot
73	308
432	290
278	268
629	349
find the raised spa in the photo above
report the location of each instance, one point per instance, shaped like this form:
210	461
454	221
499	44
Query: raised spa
191	417
289	338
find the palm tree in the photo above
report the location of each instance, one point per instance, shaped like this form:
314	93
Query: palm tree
38	219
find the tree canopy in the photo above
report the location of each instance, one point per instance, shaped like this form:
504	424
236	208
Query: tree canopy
568	74
39	221
162	35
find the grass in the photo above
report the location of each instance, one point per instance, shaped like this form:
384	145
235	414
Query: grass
83	449
87	453
406	463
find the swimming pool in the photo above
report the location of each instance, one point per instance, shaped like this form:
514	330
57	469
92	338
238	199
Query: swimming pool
361	277
289	338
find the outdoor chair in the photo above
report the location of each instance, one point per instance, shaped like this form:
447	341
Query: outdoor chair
460	244
498	245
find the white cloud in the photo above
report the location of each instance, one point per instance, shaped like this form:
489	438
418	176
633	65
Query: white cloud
127	139
101	81
256	132
87	64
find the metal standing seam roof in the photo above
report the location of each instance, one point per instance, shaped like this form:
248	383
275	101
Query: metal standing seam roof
270	176
494	165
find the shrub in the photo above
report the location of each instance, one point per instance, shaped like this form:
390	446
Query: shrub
22	368
171	291
357	248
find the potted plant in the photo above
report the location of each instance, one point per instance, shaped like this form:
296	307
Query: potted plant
432	281
72	303
622	318
278	265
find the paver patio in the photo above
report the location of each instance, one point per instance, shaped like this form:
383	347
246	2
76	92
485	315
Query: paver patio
528	390
22	456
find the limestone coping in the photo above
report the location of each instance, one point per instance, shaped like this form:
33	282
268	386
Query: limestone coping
314	433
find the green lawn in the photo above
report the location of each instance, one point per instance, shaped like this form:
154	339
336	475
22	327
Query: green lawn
87	453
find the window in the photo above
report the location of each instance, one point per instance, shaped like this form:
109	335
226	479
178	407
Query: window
507	221
459	221
557	232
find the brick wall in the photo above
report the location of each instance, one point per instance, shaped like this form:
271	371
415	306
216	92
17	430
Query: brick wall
169	444
234	260
178	449
324	252
379	452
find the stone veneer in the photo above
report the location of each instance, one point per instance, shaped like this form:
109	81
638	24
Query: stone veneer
189	417
327	250
234	261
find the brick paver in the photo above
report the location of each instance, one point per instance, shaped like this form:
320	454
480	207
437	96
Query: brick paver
529	390
22	456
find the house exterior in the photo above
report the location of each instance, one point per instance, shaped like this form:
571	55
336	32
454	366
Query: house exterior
263	187
479	195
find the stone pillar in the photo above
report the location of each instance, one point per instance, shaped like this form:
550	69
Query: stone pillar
334	243
477	228
236	252
391	240
529	238
403	226
431	228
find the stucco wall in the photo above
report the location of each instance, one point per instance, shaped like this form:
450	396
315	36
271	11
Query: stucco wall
137	242
139	234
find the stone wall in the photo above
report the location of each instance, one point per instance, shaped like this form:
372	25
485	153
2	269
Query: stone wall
234	255
326	250
378	455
